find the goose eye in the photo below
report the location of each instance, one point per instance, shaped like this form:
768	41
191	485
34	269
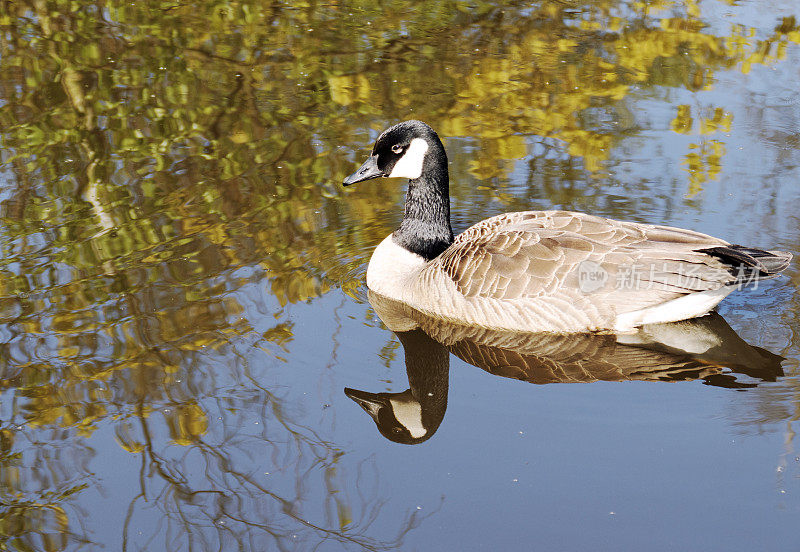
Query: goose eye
397	148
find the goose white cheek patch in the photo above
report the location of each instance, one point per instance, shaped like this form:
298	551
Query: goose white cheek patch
410	165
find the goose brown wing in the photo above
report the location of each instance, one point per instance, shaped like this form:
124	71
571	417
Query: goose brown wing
529	255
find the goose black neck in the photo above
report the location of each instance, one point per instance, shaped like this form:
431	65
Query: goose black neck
425	229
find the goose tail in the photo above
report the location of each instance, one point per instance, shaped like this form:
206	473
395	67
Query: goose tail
750	264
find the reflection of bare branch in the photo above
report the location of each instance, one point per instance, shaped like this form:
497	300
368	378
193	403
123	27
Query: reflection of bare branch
129	516
72	83
39	509
214	127
206	56
226	502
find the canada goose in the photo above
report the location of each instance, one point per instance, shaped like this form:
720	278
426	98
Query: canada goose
702	348
555	271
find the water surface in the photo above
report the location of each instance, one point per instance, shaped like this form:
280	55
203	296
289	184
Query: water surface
182	296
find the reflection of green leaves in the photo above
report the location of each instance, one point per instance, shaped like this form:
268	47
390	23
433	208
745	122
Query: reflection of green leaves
158	158
280	335
703	163
187	423
180	143
683	122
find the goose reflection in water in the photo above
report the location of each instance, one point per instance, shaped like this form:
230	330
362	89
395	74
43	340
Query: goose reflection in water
704	348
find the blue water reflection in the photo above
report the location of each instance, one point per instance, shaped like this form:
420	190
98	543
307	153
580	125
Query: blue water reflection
181	277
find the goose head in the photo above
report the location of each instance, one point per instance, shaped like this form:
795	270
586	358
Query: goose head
409	149
412	150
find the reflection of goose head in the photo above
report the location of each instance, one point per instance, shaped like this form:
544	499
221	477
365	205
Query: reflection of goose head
414	415
397	415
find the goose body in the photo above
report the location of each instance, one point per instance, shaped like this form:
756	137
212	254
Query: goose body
542	271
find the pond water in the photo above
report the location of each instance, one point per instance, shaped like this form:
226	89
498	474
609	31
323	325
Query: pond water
182	296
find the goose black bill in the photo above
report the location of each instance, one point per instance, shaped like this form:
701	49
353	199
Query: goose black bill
367	171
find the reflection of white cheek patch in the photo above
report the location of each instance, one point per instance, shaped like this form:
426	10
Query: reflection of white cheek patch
409	414
410	165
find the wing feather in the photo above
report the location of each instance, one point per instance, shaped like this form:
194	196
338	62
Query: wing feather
537	254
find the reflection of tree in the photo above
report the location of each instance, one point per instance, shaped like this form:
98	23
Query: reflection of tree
246	119
160	162
237	508
35	509
209	489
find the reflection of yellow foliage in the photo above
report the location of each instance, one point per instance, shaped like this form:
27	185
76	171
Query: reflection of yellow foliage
9	477
295	287
126	440
703	164
346	89
592	147
344	513
682	123
6	441
511	147
218	126
280	335
187	423
49	521
553	66
692	8
720	121
64	407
